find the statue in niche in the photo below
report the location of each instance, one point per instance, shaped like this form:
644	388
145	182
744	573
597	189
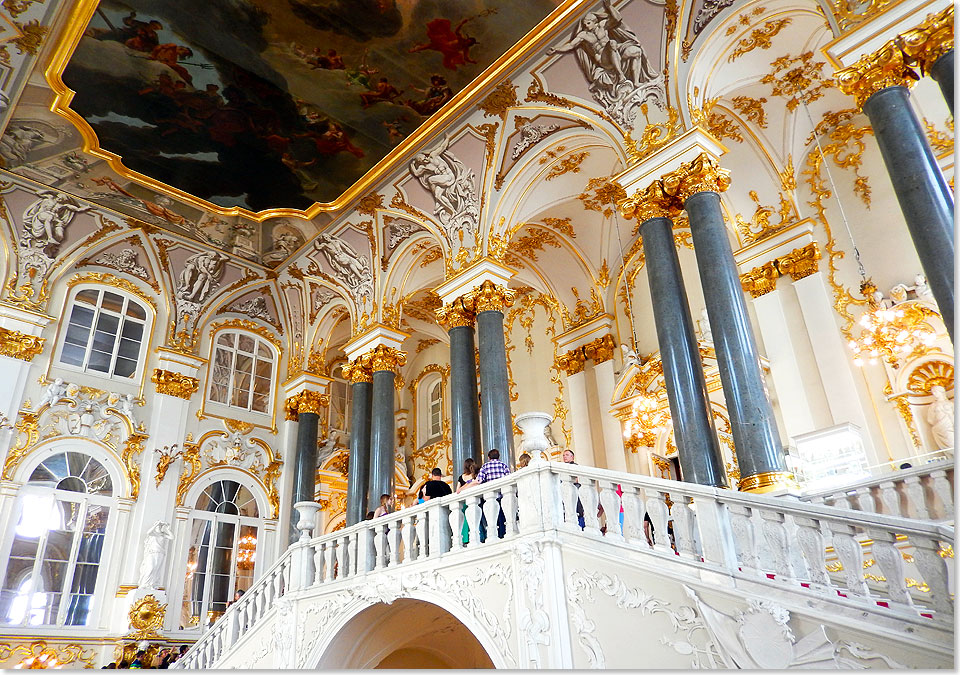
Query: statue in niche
200	276
611	59
154	555
454	191
45	221
348	266
940	417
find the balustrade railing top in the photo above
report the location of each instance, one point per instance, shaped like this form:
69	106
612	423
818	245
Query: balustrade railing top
738	534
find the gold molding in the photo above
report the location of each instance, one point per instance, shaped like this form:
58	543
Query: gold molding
358	370
18	345
800	262
111	280
174	384
768	481
929	374
454	315
131	448
600	349
83	11
489	297
651	202
571	362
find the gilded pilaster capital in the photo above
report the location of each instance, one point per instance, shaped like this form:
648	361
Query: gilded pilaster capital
702	174
926	43
601	349
174	384
571	362
312	402
454	315
387	358
291	408
874	72
651	202
800	262
358	370
19	345
489	297
760	280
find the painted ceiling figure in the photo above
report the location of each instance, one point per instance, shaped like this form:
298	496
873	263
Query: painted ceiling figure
200	275
453	44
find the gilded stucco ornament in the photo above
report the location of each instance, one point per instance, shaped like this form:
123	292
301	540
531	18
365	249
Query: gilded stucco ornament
651	202
601	349
358	370
146	619
387	358
926	43
571	362
174	384
800	262
455	315
312	402
874	72
18	345
760	280
490	297
38	655
702	174
132	448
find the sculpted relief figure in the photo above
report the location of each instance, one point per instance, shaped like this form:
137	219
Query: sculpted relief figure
348	265
611	59
940	417
154	555
454	191
45	221
200	276
125	261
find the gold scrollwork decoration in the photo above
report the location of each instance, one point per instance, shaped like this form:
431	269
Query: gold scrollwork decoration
174	384
28	431
654	136
500	100
800	262
384	358
18	345
931	374
454	315
191	461
489	297
39	655
146	618
759	38
131	448
108	279
358	370
571	362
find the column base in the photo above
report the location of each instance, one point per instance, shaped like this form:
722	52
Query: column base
767	482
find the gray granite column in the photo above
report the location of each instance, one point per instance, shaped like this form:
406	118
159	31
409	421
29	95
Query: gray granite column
693	426
358	468
495	419
942	73
924	196
755	436
464	409
304	462
383	432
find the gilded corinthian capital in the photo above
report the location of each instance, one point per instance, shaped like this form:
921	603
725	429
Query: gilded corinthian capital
926	43
489	297
651	202
312	402
454	314
358	370
760	280
874	72
703	174
19	345
387	358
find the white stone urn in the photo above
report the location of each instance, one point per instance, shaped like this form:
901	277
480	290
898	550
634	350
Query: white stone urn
534	441
308	518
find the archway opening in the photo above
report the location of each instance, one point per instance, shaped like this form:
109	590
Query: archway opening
406	634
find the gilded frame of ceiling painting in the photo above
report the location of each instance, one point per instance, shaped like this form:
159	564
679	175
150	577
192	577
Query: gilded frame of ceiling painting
460	104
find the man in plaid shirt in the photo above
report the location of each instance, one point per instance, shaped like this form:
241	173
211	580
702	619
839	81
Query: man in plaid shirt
493	468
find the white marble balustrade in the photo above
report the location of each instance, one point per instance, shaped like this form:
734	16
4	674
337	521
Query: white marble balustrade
778	542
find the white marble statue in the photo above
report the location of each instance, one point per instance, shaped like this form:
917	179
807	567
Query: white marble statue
454	191
617	70
45	221
85	420
630	357
154	555
705	331
200	276
922	288
54	392
898	293
940	417
348	265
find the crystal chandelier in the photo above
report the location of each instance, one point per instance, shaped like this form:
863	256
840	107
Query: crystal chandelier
246	552
890	333
647	419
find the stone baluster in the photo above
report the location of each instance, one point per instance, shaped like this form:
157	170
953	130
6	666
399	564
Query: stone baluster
385	363
810	538
569	496
473	519
632	515
713	526
457	520
509	505
879	81
277	583
590	501
464	404
917	500
890	498
344	557
755	436
329	549
358	467
393	544
380	544
683	527
407	535
775	537
611	509
741	523
926	555
657	510
694	429
318	553
864	499
422	544
943	489
850	554
890	561
491	511
438	524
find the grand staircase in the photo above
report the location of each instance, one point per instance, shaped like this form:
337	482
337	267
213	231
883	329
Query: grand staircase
725	579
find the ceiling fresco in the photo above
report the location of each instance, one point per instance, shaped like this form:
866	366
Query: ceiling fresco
212	96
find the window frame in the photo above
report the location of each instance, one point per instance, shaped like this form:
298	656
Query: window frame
234	351
425	386
145	337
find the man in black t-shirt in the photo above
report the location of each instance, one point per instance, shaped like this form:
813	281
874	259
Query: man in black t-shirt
435	487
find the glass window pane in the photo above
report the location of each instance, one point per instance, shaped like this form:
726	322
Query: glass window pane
81	316
260	403
72	355
244	364
132	330
104	342
77	335
112	302
125	367
228	339
135	310
88	296
99	361
245	343
264	352
108	324
129	348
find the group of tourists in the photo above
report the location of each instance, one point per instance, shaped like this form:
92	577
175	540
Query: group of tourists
161	660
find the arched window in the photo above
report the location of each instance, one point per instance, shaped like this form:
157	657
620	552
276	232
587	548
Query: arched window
105	333
435	411
429	409
243	368
222	553
54	561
